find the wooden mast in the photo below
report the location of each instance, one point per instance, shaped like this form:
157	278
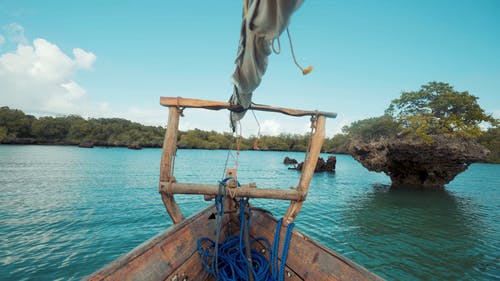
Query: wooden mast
307	169
167	164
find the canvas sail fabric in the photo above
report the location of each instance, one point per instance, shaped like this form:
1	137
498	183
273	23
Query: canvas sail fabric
264	21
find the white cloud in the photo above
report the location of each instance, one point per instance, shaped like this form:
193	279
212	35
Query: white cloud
270	127
15	33
83	59
39	77
148	116
2	39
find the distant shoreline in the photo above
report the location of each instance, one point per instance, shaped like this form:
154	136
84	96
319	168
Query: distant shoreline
17	128
124	146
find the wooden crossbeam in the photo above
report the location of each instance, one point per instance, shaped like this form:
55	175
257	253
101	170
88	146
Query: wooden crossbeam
217	105
247	190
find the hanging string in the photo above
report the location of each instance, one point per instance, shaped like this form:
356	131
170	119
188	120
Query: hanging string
304	71
256	141
227	156
313	129
238	145
234	141
276	51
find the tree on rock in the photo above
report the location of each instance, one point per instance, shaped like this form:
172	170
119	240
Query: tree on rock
425	138
438	109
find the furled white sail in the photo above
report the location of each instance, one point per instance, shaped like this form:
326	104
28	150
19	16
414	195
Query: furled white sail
263	21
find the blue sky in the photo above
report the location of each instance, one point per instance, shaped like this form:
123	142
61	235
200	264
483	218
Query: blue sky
129	53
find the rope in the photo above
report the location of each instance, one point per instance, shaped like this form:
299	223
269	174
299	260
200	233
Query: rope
274	252
284	254
304	71
276	51
219	207
228	260
256	141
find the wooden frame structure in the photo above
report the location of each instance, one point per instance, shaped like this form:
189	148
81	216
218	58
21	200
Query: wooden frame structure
168	186
173	255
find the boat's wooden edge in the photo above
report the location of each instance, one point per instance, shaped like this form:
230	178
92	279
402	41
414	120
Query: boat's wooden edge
123	261
313	269
173	254
217	105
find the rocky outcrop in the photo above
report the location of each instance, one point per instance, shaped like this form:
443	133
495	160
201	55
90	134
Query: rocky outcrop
415	164
321	165
19	141
135	146
86	144
289	161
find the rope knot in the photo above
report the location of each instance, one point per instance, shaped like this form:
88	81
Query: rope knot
179	108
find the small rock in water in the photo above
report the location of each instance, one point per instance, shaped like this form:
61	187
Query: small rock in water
289	161
321	165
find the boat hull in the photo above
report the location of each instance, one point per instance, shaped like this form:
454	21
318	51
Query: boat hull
173	255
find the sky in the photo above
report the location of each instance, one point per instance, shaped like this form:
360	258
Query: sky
116	58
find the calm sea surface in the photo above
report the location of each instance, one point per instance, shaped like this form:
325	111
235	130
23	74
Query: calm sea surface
67	211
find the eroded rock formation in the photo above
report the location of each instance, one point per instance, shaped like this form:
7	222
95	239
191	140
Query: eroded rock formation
321	165
415	164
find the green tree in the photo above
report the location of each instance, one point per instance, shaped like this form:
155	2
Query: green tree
79	130
3	134
337	144
491	140
50	129
273	143
438	109
17	123
372	128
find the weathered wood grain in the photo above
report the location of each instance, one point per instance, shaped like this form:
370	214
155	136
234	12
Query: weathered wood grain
217	105
308	169
243	191
167	163
163	255
307	258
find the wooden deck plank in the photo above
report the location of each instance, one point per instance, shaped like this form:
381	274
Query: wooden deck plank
191	270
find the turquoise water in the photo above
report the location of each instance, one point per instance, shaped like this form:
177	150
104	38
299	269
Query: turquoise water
67	211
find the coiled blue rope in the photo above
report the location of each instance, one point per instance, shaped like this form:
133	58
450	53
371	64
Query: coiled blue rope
228	261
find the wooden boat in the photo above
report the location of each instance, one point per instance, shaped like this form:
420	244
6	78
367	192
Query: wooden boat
174	255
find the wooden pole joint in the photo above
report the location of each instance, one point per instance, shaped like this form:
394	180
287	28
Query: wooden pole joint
166	186
301	196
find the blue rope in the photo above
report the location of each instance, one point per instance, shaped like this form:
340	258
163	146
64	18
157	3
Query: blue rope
228	261
284	254
274	252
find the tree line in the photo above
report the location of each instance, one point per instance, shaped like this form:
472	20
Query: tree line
16	127
435	109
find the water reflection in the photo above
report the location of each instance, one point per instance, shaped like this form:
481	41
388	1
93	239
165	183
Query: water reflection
414	232
65	211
